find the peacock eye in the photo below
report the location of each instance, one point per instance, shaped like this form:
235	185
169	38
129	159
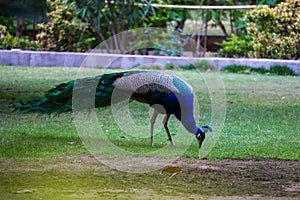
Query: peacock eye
104	81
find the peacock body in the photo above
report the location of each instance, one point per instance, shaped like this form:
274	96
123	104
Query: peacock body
167	94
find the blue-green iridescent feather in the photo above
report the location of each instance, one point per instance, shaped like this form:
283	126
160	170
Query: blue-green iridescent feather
59	99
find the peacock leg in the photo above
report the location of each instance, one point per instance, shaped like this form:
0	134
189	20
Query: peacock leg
166	119
154	116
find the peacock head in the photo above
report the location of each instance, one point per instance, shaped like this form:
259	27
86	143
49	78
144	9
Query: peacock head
200	135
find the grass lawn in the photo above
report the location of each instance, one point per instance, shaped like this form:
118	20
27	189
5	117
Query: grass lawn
262	119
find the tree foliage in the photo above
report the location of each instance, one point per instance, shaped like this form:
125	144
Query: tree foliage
163	16
23	8
110	17
64	31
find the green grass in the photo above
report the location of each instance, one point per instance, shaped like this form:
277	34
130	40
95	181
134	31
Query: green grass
262	119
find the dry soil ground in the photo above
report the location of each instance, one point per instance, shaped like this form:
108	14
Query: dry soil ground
187	178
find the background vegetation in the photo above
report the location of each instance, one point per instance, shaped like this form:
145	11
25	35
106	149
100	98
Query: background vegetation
275	32
270	31
64	31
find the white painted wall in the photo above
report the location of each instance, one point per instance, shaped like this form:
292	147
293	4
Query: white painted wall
69	59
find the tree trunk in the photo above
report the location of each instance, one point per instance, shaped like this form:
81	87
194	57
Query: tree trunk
20	26
205	32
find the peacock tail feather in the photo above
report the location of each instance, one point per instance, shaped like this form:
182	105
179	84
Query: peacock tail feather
59	99
56	100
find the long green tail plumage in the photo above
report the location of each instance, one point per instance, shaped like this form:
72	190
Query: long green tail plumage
59	99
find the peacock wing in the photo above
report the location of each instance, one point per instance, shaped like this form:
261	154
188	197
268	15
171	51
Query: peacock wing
143	82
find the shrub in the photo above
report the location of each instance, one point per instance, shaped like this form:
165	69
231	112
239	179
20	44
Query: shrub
243	69
236	46
9	41
2	30
275	31
281	70
204	66
64	32
259	70
237	69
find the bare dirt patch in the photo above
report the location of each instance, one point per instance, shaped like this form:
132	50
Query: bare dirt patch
187	178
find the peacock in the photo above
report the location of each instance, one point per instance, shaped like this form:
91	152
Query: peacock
167	94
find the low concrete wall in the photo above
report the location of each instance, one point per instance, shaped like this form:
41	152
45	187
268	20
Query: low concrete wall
67	59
